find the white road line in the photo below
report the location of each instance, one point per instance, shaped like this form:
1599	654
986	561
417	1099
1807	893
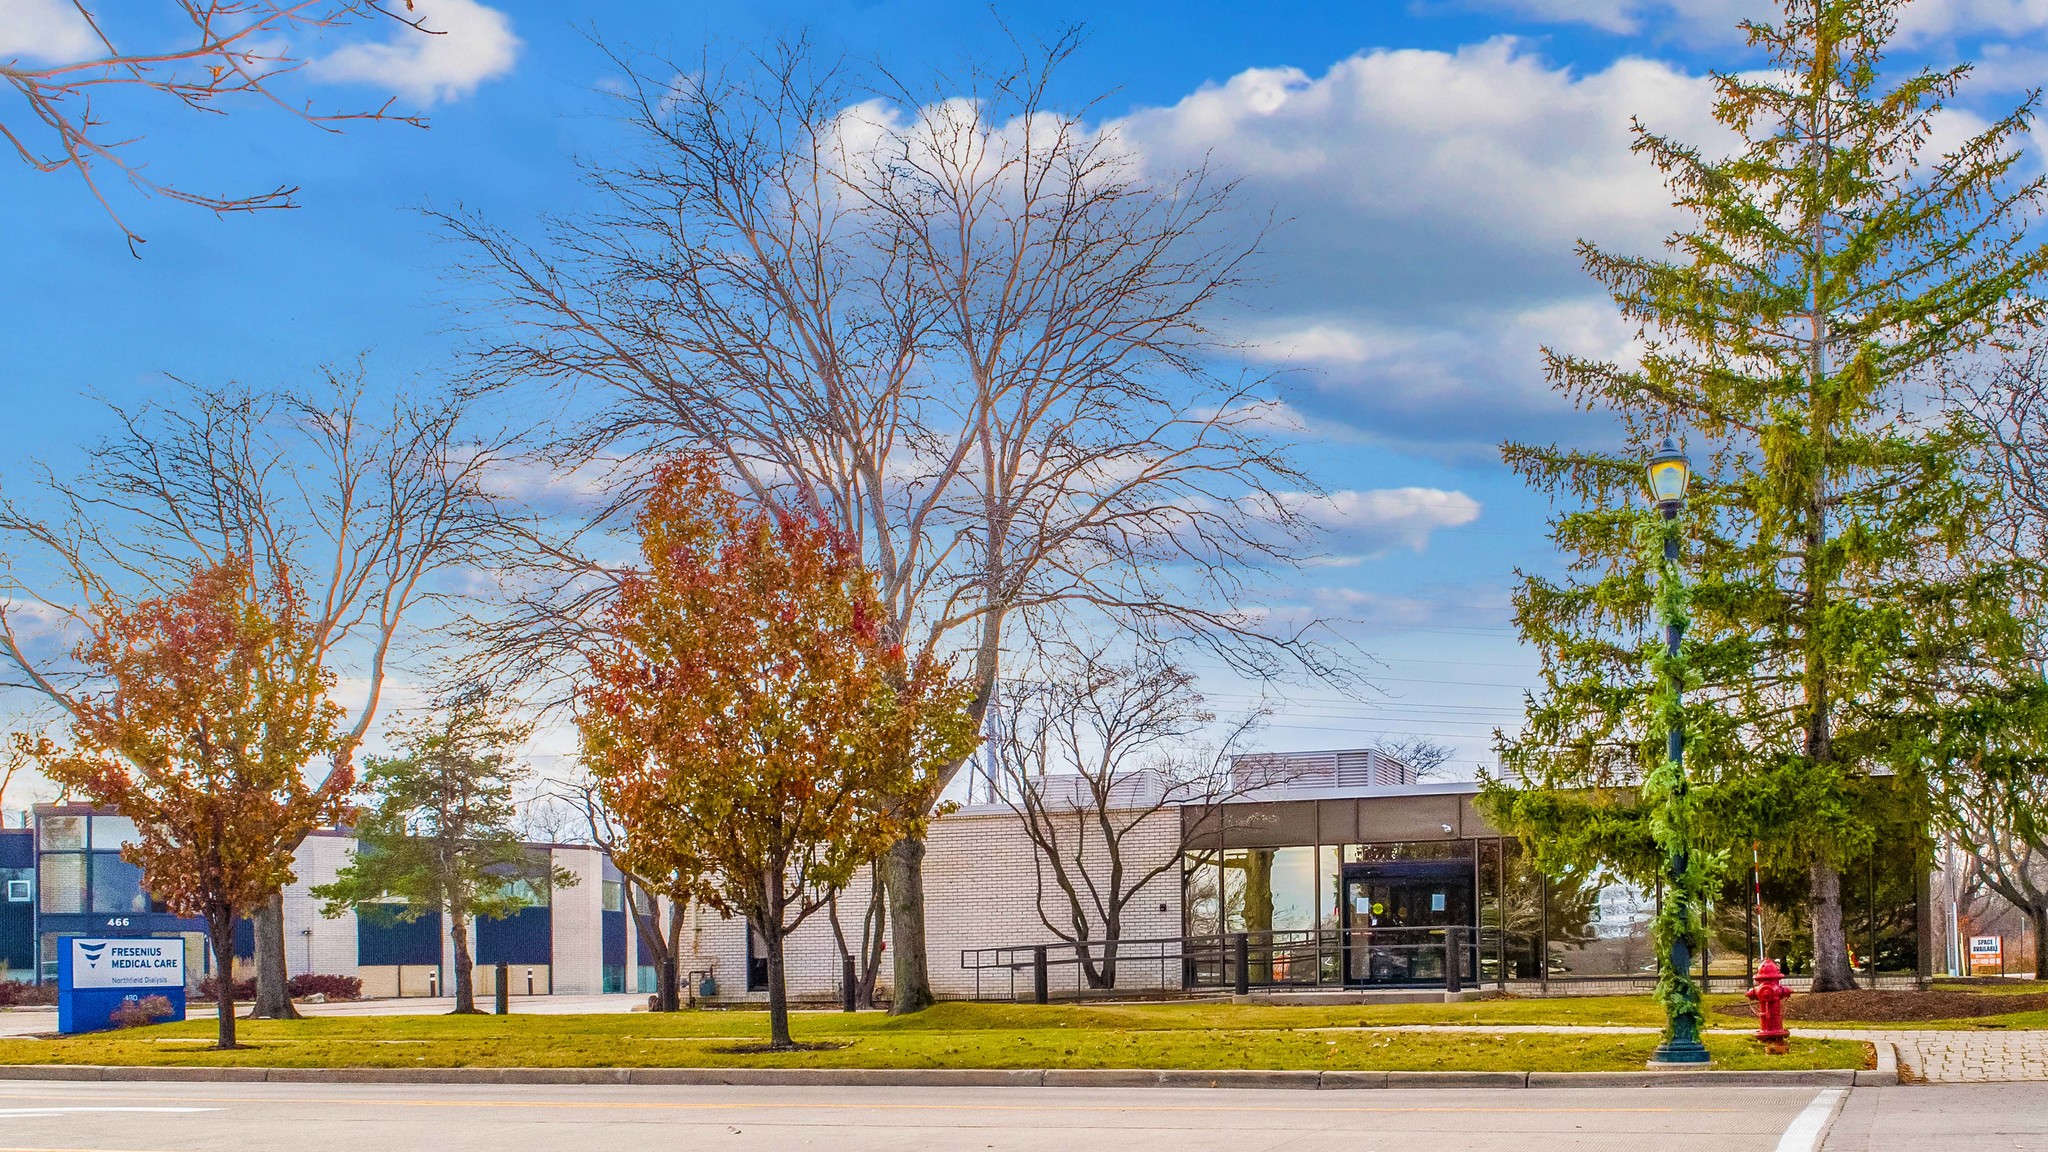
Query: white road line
55	1110
1811	1126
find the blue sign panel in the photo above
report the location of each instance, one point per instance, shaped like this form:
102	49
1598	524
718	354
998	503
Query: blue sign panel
95	977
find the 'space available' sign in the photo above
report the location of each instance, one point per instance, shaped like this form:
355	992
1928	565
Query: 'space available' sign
131	963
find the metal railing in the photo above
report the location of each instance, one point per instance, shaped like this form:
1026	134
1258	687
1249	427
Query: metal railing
1237	962
1454	958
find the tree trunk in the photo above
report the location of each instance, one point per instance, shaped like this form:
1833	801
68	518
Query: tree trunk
778	994
2040	918
874	925
905	881
465	985
273	971
220	927
1831	969
672	966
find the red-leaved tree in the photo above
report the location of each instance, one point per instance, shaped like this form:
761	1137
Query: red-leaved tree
215	704
748	719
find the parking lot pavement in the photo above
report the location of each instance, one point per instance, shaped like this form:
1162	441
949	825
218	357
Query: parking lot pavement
161	1117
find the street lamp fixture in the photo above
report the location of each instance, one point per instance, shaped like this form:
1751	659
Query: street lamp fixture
1669	472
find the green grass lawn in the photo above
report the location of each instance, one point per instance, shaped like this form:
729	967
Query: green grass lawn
954	1035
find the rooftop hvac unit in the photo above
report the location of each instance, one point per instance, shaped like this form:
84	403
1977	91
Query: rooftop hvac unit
1342	768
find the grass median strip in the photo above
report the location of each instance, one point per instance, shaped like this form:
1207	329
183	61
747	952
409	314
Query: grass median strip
1208	1037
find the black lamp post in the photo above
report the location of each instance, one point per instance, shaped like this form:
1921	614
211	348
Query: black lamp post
1668	473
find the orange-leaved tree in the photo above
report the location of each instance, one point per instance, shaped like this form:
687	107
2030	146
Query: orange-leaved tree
747	718
216	703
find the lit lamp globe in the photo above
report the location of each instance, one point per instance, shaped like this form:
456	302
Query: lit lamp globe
1669	472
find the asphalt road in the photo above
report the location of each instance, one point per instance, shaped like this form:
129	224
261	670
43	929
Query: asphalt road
142	1117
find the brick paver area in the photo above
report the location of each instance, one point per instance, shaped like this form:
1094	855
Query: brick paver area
1957	1057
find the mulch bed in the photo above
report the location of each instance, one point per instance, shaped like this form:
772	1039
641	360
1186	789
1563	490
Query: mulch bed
1881	1006
770	1049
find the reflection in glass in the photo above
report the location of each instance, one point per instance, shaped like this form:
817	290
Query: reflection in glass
111	832
117	885
61	833
1198	879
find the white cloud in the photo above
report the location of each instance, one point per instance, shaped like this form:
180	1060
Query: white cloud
51	31
1374	521
475	44
1433	203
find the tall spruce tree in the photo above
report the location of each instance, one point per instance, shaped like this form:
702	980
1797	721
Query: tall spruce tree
1840	643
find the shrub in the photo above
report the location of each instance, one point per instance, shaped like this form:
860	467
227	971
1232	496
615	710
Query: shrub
22	994
137	1013
245	989
321	984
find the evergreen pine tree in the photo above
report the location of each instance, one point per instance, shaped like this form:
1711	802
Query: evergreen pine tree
438	835
1841	645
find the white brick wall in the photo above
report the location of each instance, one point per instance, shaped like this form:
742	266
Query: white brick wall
316	943
980	891
578	925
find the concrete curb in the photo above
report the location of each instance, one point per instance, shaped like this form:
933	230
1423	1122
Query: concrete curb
1887	1070
965	1077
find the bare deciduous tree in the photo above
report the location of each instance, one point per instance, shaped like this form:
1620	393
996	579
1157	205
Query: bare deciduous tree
2002	834
220	50
867	961
641	891
1424	756
360	508
1097	755
968	332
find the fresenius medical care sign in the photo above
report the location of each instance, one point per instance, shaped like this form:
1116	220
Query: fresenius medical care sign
95	977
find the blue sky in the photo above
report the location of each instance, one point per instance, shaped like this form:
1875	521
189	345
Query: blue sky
1433	160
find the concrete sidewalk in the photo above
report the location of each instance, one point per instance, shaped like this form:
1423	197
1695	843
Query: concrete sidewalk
33	1021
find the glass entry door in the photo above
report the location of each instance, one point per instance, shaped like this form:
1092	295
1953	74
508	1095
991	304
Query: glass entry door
1395	914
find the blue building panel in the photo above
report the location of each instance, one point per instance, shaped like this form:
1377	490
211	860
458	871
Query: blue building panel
525	937
17	848
382	938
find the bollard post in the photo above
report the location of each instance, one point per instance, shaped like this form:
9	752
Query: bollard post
1241	945
669	992
529	981
846	984
502	975
1454	960
1041	984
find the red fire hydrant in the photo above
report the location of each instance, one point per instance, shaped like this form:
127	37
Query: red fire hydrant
1769	995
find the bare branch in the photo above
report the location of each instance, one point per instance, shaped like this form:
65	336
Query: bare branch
221	50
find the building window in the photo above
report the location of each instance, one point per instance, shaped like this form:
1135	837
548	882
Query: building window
117	885
61	833
757	961
1199	879
614	896
62	877
110	833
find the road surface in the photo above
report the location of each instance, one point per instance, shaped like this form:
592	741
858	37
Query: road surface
57	1116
